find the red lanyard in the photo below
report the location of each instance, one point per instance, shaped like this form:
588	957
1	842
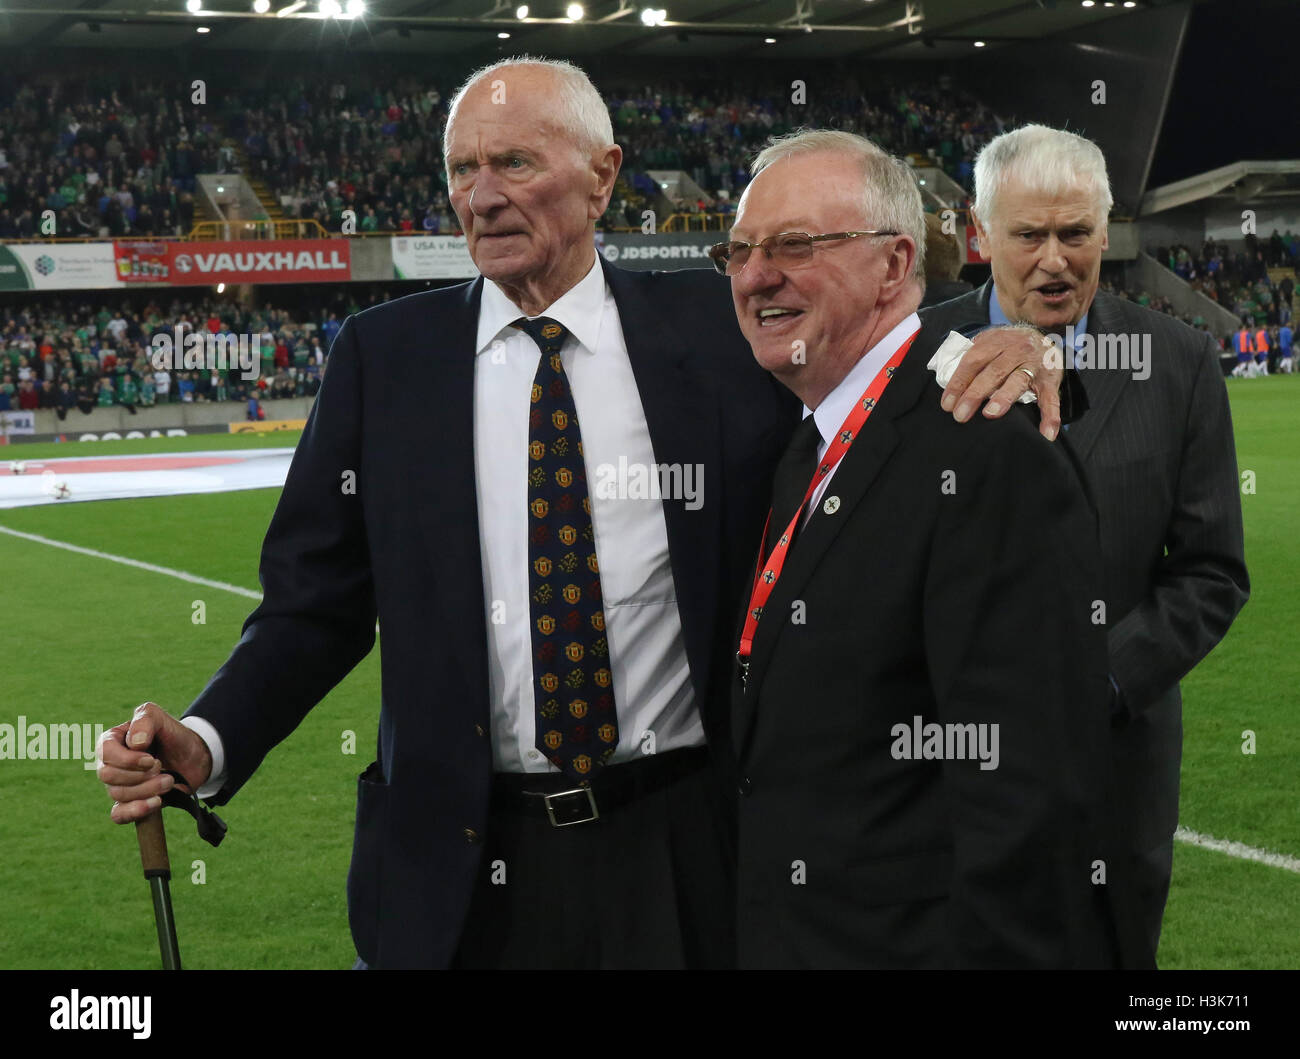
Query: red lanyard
767	574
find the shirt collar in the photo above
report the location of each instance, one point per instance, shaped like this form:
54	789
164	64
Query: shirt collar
997	318
835	408
579	309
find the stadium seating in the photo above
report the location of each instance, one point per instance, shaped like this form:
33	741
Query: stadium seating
118	156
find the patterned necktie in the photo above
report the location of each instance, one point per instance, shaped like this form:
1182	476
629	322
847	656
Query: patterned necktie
577	728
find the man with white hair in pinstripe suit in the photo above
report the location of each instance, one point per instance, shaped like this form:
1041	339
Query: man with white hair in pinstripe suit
1156	445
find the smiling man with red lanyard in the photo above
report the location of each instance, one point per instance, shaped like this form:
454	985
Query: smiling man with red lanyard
918	714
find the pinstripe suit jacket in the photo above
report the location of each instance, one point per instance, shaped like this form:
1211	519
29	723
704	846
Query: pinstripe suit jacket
1159	457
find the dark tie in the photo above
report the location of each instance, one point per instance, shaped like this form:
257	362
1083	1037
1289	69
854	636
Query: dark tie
794	472
577	728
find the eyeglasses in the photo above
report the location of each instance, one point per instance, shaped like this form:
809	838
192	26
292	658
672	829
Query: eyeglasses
787	249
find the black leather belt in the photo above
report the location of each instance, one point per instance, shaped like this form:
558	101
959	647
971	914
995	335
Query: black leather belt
555	797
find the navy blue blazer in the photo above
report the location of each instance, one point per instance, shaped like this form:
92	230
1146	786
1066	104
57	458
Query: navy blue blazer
396	407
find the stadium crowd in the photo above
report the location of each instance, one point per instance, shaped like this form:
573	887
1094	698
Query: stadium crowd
61	354
118	155
1271	345
714	135
324	148
1114	284
1240	281
108	155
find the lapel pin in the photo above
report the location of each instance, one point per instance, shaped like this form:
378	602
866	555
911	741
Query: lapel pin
832	505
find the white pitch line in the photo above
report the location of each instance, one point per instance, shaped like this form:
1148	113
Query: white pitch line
151	567
1237	849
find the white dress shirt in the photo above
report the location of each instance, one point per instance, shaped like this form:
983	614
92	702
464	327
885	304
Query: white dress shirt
837	404
653	696
652	680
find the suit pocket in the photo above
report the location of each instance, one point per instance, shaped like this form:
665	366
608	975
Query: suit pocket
365	872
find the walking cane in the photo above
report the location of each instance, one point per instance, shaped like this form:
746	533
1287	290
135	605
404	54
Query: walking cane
152	838
150	834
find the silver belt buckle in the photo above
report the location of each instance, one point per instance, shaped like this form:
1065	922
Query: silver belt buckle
591	804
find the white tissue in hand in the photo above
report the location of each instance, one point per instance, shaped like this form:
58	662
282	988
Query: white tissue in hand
948	356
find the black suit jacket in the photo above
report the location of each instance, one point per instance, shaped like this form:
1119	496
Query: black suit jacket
954	583
396	408
1160	460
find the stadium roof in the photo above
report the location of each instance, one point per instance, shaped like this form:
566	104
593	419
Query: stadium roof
1241	182
887	29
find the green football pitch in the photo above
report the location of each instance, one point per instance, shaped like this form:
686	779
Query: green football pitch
87	639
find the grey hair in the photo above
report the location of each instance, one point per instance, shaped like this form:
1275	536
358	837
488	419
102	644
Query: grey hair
579	108
891	199
1047	160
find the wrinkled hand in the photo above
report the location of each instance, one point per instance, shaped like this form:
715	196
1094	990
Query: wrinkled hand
990	370
134	777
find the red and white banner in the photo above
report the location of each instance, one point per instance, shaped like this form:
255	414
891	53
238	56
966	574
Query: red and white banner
239	261
972	246
142	261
